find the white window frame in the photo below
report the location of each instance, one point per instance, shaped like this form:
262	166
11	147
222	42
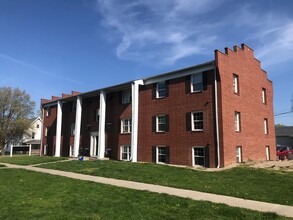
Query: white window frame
194	120
126	125
127	152
237	118
45	149
126	96
71	150
268	153
159	153
238	154
194	82
158	123
97	114
264	96
266	129
193	155
161	88
48	111
236	83
46	131
72	129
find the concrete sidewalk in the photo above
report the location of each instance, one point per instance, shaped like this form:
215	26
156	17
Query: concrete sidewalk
194	195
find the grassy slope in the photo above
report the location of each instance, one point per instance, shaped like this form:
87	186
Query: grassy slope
248	183
28	160
29	195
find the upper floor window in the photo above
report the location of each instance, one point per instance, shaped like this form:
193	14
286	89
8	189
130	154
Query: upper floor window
236	83
197	121
72	132
196	82
162	123
48	111
97	115
161	90
73	107
266	130
38	126
237	121
264	96
46	131
126	125
33	135
126	96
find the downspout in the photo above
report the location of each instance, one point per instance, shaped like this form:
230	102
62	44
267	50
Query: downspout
42	125
217	117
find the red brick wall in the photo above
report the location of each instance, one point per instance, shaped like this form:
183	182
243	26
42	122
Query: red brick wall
252	79
176	105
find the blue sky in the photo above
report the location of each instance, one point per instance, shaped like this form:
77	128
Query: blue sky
50	47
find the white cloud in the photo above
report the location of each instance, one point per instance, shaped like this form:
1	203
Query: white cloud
166	31
158	31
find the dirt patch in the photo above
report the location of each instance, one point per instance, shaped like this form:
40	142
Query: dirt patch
284	165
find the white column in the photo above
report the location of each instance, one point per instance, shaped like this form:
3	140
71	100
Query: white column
58	129
134	125
77	125
102	124
30	150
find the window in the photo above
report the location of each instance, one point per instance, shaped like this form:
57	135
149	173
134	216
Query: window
161	90
238	154
161	123
38	126
126	95
264	96
126	125
45	149
46	131
196	82
126	152
199	156
73	107
237	121
97	115
236	84
266	126
33	135
48	111
71	150
72	129
267	152
197	121
161	154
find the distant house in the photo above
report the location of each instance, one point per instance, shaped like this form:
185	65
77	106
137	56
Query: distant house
32	136
284	135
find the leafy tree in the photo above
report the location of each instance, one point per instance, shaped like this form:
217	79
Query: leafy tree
15	109
280	125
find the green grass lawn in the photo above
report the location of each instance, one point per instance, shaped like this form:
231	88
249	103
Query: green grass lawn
243	182
29	160
30	195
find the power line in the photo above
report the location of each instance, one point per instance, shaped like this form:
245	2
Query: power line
283	113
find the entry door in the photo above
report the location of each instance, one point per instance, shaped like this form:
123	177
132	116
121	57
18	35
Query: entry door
94	144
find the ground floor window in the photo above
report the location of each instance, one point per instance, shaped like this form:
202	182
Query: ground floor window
199	156
238	154
71	150
161	154
125	152
267	152
45	149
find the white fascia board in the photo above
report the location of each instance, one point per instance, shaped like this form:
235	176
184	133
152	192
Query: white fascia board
179	73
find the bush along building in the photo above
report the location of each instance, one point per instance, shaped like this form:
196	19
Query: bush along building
213	114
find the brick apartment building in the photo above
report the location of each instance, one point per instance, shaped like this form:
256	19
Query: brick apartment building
213	114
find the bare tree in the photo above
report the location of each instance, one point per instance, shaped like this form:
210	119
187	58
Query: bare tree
15	109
